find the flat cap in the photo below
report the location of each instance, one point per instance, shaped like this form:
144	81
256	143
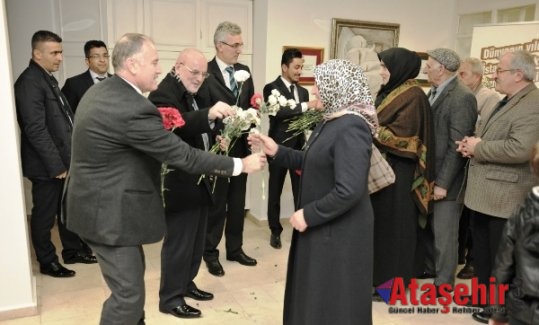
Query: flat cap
447	57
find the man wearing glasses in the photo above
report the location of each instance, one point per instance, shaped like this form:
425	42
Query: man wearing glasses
499	176
97	60
229	195
186	199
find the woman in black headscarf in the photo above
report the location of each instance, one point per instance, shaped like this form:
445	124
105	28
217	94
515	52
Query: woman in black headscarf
406	140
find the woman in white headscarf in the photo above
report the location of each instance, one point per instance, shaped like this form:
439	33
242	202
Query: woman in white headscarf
330	263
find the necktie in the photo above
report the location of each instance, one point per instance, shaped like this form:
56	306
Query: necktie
432	94
100	78
205	138
293	92
64	104
232	80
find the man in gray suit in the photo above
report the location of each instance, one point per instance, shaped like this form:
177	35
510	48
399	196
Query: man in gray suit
499	176
113	199
454	111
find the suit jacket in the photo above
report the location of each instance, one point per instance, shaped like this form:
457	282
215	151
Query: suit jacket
280	122
220	92
499	175
183	189
454	116
45	124
113	191
75	87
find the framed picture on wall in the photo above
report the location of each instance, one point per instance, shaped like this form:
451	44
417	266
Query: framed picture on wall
312	56
350	37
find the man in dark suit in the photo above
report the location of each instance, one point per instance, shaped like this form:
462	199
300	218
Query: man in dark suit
97	60
46	123
287	85
454	110
188	196
112	197
229	195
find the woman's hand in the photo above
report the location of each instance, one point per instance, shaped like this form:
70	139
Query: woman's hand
297	220
259	141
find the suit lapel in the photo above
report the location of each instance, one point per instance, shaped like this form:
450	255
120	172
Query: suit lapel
506	108
448	89
281	87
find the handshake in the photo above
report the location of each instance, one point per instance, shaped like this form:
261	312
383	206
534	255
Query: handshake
261	145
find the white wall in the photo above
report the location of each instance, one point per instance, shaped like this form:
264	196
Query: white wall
17	293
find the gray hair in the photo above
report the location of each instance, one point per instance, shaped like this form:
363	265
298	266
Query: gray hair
523	61
476	65
223	29
127	46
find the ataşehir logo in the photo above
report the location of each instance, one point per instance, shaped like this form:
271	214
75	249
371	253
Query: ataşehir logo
428	294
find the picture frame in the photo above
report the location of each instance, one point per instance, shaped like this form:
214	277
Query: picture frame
422	78
351	35
313	56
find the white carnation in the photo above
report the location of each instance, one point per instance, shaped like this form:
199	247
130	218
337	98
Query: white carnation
241	75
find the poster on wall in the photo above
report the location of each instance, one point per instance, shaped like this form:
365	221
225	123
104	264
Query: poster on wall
490	41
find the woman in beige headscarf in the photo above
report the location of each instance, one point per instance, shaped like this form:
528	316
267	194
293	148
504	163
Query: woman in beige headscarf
330	264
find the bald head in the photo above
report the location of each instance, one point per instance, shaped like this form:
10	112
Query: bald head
191	69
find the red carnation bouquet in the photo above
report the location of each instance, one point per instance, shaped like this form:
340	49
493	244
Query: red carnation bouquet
172	119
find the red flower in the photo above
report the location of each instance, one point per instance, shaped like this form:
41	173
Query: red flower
298	172
256	100
171	118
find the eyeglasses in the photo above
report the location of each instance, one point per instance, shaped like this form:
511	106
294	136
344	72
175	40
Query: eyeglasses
235	46
97	56
498	71
196	73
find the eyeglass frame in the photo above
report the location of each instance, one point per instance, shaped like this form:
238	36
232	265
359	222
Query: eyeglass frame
498	71
196	73
235	46
98	56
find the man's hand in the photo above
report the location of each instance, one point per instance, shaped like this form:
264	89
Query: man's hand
259	141
220	110
315	105
297	220
254	162
223	142
467	146
62	175
439	193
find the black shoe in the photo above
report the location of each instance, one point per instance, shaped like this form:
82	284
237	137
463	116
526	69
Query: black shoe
56	270
198	294
467	272
242	259
481	316
183	311
215	268
81	258
275	241
426	275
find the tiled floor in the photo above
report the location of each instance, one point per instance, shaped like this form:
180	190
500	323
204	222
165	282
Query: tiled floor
245	295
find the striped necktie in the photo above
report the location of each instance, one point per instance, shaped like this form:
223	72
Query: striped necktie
232	80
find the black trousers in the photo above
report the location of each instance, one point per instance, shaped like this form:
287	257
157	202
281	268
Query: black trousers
487	233
46	194
181	254
277	175
228	214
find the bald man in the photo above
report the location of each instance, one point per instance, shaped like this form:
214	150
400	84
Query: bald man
186	199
